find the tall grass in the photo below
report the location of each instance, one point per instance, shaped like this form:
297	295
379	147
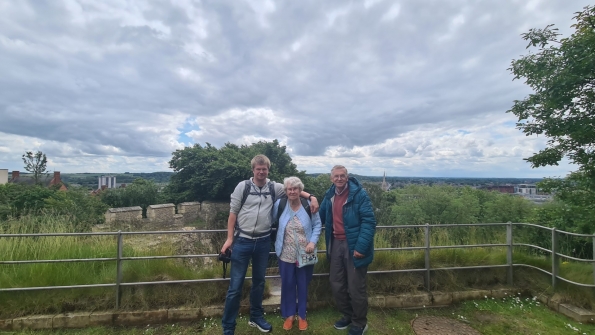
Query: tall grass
97	272
196	295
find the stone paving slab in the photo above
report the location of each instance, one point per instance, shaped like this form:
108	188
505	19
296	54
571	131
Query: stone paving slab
71	320
101	319
183	314
577	313
140	318
37	322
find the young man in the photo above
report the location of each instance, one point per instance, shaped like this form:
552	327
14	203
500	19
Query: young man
350	225
249	239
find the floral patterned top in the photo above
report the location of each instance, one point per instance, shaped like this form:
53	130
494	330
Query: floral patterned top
294	229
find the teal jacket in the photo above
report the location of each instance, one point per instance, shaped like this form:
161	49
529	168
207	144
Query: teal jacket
359	220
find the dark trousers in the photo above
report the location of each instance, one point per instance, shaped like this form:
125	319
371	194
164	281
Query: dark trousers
294	280
348	284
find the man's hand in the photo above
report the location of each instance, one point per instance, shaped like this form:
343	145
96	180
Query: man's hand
310	247
314	206
357	254
226	245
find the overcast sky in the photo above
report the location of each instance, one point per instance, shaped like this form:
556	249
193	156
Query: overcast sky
413	88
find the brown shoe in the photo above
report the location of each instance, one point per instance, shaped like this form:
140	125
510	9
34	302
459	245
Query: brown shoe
303	324
288	324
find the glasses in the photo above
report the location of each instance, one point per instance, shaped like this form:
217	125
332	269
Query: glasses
340	176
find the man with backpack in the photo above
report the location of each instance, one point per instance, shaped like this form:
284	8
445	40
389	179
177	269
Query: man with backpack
249	239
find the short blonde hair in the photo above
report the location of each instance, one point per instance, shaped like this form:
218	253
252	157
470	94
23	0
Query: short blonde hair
293	182
261	160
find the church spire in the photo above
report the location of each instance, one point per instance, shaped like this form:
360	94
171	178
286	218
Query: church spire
384	185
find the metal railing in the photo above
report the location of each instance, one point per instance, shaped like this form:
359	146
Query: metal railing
427	270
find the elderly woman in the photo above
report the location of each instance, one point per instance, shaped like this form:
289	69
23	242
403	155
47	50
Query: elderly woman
297	230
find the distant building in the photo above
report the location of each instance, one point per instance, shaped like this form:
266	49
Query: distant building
3	176
501	188
107	181
45	179
526	189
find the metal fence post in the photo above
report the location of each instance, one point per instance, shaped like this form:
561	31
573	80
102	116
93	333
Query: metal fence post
555	258
593	258
427	256
509	252
119	270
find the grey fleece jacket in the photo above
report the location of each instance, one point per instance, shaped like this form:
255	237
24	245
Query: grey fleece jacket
255	216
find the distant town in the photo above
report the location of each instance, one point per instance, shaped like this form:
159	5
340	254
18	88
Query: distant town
525	187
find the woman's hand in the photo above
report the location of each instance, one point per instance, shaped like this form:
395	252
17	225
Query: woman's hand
310	247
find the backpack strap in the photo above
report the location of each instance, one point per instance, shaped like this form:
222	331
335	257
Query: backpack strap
306	206
248	191
247	187
272	191
282	205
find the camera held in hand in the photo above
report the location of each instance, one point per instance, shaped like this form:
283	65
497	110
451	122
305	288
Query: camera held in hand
225	257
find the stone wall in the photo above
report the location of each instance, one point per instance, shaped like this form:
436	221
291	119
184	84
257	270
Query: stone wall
164	217
161	213
214	214
190	211
124	214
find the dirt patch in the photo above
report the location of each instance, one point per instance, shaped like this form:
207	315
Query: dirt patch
437	325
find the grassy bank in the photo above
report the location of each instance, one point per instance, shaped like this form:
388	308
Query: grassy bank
164	296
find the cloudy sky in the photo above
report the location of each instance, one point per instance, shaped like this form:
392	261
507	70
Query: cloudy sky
411	87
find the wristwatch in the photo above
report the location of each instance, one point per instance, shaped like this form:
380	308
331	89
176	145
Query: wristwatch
310	197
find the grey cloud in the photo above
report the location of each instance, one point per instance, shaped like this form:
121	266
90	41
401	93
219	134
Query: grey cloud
96	76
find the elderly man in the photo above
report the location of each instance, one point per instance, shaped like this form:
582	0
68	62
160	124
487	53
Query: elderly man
347	214
249	239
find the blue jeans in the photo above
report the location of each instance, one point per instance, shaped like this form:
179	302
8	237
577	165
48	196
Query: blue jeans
244	250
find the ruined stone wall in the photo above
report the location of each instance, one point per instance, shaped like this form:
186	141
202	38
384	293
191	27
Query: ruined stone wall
161	213
123	218
124	214
215	214
164	217
190	211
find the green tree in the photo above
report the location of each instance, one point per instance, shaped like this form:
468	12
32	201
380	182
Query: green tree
140	192
317	185
35	163
210	173
562	75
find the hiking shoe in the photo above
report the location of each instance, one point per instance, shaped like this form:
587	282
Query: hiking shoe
261	324
303	324
342	324
288	324
355	330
